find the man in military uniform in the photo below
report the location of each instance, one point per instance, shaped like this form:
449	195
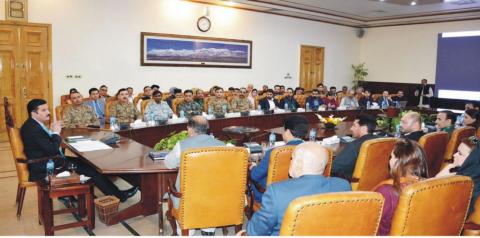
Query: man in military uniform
218	105
124	111
188	106
241	103
78	114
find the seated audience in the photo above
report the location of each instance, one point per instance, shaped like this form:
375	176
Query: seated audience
362	129
268	102
411	126
444	122
400	97
466	162
197	128
155	87
299	91
295	129
349	101
79	114
97	104
251	97
322	90
407	165
288	102
123	111
175	93
306	171
218	104
156	109
241	103
40	141
276	90
282	89
333	90
188	106
472	118
130	94
314	100
147	95
367	100
264	90
358	93
385	101
104	92
249	88
342	93
200	97
330	101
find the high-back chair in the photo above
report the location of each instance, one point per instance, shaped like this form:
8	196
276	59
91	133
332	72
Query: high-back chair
433	207
210	201
65	99
455	139
144	105
206	101
108	104
371	167
472	225
334	214
301	99
434	145
175	103
59	111
9	122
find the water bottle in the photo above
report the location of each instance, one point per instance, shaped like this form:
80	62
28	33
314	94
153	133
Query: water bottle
259	108
384	104
397	131
285	106
396	104
316	105
50	167
271	139
182	114
113	124
307	107
459	121
368	105
210	110
224	108
312	136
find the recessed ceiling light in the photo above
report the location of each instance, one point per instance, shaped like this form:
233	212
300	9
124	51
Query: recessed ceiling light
413	3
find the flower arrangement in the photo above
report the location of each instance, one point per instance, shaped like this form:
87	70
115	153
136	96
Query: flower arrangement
169	142
331	121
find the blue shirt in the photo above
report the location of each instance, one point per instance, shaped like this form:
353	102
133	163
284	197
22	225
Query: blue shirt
259	173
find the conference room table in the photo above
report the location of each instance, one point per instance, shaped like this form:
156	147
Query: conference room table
129	158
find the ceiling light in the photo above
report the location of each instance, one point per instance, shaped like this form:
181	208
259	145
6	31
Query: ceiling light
413	3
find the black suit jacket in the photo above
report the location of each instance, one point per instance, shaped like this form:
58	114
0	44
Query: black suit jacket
265	105
344	164
37	144
414	135
291	102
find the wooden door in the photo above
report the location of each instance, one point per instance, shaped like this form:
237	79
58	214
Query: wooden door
311	66
25	68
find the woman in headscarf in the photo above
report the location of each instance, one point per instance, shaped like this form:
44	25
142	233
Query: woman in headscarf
466	162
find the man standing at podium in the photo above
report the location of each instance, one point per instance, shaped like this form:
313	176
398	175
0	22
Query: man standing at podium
424	93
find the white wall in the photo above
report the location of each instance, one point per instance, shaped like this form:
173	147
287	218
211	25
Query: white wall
100	40
406	54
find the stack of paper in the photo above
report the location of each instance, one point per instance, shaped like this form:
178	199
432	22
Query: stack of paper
331	140
89	145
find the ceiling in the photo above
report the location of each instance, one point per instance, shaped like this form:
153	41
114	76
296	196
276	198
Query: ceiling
363	13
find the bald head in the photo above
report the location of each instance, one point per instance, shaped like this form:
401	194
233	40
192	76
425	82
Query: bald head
308	158
410	122
197	125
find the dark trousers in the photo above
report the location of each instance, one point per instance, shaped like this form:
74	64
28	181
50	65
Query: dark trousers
100	180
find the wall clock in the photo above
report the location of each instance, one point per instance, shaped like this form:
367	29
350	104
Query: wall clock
204	24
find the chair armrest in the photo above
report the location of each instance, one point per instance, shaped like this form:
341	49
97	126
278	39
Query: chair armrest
37	160
172	190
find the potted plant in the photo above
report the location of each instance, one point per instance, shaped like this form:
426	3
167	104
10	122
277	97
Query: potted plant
360	72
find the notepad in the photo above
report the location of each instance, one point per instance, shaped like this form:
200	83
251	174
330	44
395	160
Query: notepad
90	145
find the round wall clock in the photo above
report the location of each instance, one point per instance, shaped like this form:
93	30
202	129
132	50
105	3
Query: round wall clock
204	24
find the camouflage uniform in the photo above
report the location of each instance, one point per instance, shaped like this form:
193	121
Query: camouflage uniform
124	112
200	102
189	108
240	105
218	104
81	115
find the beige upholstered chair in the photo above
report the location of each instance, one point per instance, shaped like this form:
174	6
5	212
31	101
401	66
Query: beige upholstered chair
372	163
210	201
334	214
433	207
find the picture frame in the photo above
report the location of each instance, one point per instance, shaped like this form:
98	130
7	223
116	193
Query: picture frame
158	49
16	10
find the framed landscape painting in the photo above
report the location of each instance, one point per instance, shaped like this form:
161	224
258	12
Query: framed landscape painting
178	50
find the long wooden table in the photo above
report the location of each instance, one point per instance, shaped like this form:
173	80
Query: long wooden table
129	158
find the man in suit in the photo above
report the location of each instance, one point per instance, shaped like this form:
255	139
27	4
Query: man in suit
411	126
306	169
445	121
295	129
197	128
268	102
385	101
97	104
40	142
314	101
362	129
289	101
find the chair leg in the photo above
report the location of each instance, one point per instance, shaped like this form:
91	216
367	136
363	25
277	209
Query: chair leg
238	228
172	222
224	230
160	218
18	195
20	201
185	232
40	203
